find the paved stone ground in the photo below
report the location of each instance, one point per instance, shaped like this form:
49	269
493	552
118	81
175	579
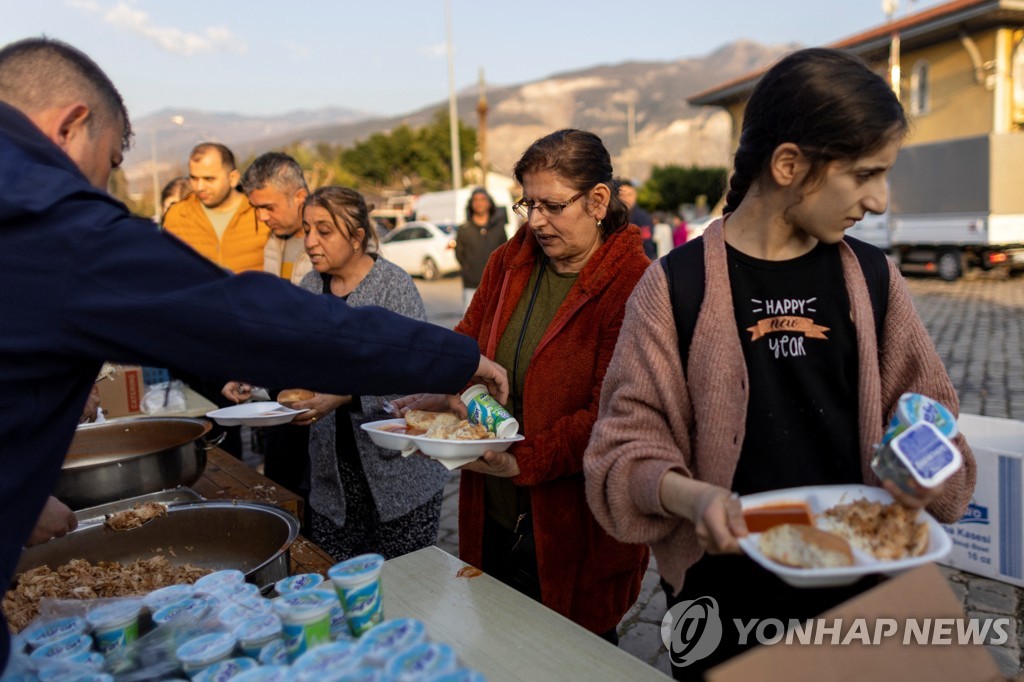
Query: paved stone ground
977	326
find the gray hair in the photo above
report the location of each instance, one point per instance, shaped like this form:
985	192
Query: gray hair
37	74
276	169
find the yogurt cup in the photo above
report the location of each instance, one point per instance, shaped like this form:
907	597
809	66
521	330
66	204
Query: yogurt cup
219	580
45	632
165	596
392	637
236	613
364	674
273	653
331	659
485	410
238	593
205	650
912	408
305	619
921	454
186	610
255	633
266	673
71	648
223	671
79	676
58	670
115	625
357	582
297	583
422	661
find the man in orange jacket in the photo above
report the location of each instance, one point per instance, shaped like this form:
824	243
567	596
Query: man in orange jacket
217	220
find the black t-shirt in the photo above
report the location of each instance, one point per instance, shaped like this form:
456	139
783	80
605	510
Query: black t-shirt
800	348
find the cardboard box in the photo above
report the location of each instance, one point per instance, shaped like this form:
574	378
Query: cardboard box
919	594
121	394
989	538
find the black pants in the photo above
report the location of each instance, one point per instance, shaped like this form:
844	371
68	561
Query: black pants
511	557
746	591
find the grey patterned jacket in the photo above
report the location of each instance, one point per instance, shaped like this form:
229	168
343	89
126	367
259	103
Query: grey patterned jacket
399	484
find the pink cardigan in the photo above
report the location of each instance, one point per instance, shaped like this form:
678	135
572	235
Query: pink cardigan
651	420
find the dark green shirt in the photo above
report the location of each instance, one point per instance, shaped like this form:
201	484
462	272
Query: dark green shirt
503	500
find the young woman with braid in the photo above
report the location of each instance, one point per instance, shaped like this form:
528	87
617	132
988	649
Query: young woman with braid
785	380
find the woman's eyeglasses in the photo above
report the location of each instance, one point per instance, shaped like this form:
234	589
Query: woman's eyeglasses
547	208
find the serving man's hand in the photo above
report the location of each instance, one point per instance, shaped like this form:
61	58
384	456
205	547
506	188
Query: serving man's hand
55	521
428	402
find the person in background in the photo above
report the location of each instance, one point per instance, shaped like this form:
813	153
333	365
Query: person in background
676	444
276	187
550	308
662	234
477	238
638	216
85	281
216	219
364	498
679	233
173	192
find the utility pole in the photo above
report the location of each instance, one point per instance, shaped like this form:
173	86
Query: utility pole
481	131
453	110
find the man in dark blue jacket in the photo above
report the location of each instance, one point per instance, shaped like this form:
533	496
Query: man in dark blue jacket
82	281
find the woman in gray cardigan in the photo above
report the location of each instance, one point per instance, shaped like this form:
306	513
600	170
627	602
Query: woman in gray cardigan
363	498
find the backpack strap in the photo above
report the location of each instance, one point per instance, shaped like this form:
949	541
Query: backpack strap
875	267
684	270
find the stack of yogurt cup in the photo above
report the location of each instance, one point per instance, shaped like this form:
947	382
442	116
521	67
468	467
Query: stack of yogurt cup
917	451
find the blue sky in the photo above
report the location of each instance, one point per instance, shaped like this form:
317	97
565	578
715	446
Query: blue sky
387	56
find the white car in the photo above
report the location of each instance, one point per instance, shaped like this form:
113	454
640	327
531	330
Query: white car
422	248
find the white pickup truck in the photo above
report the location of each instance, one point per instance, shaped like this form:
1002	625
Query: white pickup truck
953	206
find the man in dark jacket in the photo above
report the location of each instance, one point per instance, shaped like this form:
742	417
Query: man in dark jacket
481	234
82	281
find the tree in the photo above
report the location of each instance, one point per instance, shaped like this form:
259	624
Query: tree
669	187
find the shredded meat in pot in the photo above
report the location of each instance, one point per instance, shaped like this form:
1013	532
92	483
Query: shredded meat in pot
79	579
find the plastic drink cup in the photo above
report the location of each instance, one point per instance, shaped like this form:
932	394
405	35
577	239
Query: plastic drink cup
305	620
485	410
357	582
205	650
218	581
273	653
114	625
266	673
191	609
920	454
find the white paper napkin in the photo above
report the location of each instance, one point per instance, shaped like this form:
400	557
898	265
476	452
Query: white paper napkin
448	463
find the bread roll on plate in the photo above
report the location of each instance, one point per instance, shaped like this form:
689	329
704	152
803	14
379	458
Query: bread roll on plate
421	419
805	547
290	396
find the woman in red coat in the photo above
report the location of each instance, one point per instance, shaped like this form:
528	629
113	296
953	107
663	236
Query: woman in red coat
549	309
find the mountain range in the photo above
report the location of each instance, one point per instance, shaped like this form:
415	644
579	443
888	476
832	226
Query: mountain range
638	108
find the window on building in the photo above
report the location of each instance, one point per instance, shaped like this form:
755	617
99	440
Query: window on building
920	89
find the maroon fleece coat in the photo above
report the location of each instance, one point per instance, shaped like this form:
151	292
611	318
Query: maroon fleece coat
585	575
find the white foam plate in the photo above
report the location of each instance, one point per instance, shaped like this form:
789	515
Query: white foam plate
434	447
267	413
820	498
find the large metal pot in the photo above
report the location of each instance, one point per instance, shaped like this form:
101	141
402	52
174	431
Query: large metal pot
108	462
253	537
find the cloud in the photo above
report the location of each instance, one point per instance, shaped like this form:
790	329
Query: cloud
298	51
126	17
435	51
